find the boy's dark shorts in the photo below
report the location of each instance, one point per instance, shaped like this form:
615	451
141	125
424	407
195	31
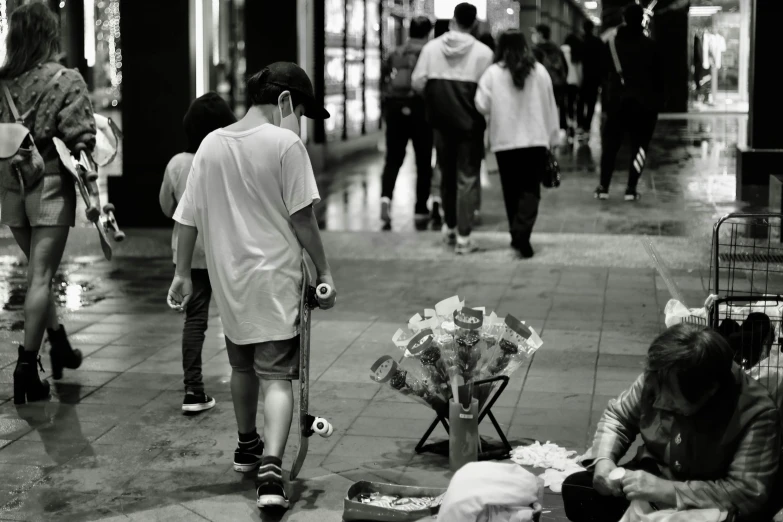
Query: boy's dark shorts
271	360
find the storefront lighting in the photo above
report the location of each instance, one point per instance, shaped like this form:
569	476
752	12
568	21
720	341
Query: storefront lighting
109	31
89	32
591	5
215	32
510	11
200	55
704	10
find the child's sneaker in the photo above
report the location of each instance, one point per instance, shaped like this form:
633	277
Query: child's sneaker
632	195
271	491
465	245
601	193
248	455
196	402
449	235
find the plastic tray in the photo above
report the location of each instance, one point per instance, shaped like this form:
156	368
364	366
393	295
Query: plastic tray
354	510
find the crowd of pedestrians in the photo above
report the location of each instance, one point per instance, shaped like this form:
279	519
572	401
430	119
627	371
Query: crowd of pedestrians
464	92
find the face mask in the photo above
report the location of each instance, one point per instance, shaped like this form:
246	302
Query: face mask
288	119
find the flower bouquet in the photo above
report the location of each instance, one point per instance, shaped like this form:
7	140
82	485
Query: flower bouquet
453	347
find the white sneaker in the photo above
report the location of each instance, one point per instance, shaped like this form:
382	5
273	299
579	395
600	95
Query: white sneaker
465	245
449	235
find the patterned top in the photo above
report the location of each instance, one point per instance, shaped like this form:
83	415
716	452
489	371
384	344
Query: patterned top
65	110
725	456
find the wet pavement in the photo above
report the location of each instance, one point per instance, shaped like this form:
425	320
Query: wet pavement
112	443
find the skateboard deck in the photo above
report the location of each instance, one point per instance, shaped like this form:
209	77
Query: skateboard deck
308	424
80	176
110	223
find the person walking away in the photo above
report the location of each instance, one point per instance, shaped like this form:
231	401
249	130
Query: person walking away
447	73
406	121
517	97
552	58
251	194
51	102
633	96
206	114
572	50
592	74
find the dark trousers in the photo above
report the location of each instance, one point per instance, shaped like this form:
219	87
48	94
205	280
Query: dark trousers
459	159
588	97
572	103
196	318
638	123
561	95
401	128
520	177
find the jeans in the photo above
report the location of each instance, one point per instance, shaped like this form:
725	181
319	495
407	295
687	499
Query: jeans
572	103
401	128
520	176
196	318
561	96
639	124
459	159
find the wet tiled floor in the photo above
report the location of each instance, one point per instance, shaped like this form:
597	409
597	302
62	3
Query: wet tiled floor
113	445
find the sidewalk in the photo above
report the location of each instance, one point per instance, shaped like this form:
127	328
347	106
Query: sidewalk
114	446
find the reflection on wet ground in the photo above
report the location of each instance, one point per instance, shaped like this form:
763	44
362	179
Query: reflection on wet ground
689	182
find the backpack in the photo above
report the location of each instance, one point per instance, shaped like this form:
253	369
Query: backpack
552	60
402	62
21	165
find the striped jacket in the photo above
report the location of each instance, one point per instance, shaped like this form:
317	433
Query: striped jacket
726	456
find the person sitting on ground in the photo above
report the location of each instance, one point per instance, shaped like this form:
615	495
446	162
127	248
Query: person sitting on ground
711	436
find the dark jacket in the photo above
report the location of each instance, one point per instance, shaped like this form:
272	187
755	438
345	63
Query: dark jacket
448	72
551	56
403	61
592	61
642	72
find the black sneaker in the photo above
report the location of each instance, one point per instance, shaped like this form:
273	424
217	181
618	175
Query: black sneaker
247	456
271	492
196	402
601	193
435	217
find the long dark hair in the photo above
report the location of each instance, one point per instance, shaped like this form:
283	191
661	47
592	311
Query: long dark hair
697	356
514	52
33	38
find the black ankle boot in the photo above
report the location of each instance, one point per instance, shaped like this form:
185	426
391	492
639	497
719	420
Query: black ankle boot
63	356
27	382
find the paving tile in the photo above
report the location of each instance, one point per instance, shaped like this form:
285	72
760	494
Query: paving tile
148	381
33	453
571	341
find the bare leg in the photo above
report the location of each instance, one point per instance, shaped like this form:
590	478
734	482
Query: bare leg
44	248
278	413
244	394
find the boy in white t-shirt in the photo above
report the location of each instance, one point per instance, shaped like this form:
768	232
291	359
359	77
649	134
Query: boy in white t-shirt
250	194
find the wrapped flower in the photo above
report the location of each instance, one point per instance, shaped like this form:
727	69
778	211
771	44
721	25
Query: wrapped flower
517	342
411	380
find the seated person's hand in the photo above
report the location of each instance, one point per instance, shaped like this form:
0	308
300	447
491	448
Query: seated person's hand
601	481
640	485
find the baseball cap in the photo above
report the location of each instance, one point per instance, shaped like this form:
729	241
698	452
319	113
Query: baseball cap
291	77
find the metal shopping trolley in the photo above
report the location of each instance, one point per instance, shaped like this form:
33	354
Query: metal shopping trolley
746	276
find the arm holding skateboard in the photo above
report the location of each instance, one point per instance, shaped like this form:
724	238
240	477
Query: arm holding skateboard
306	228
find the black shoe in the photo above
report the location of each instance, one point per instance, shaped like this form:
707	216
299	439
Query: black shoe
270	491
196	402
524	248
632	195
248	455
421	221
435	217
601	193
62	354
27	383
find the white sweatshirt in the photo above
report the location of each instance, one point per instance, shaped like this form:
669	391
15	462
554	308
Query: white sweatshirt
518	118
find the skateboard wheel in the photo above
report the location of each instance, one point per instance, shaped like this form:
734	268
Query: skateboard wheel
108	207
324	289
93	214
119	236
322	427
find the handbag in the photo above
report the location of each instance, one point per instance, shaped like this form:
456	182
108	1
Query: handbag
551	176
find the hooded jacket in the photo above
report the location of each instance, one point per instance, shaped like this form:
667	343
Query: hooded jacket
642	72
447	73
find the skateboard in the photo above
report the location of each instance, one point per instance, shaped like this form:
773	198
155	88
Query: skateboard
308	424
83	174
110	223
